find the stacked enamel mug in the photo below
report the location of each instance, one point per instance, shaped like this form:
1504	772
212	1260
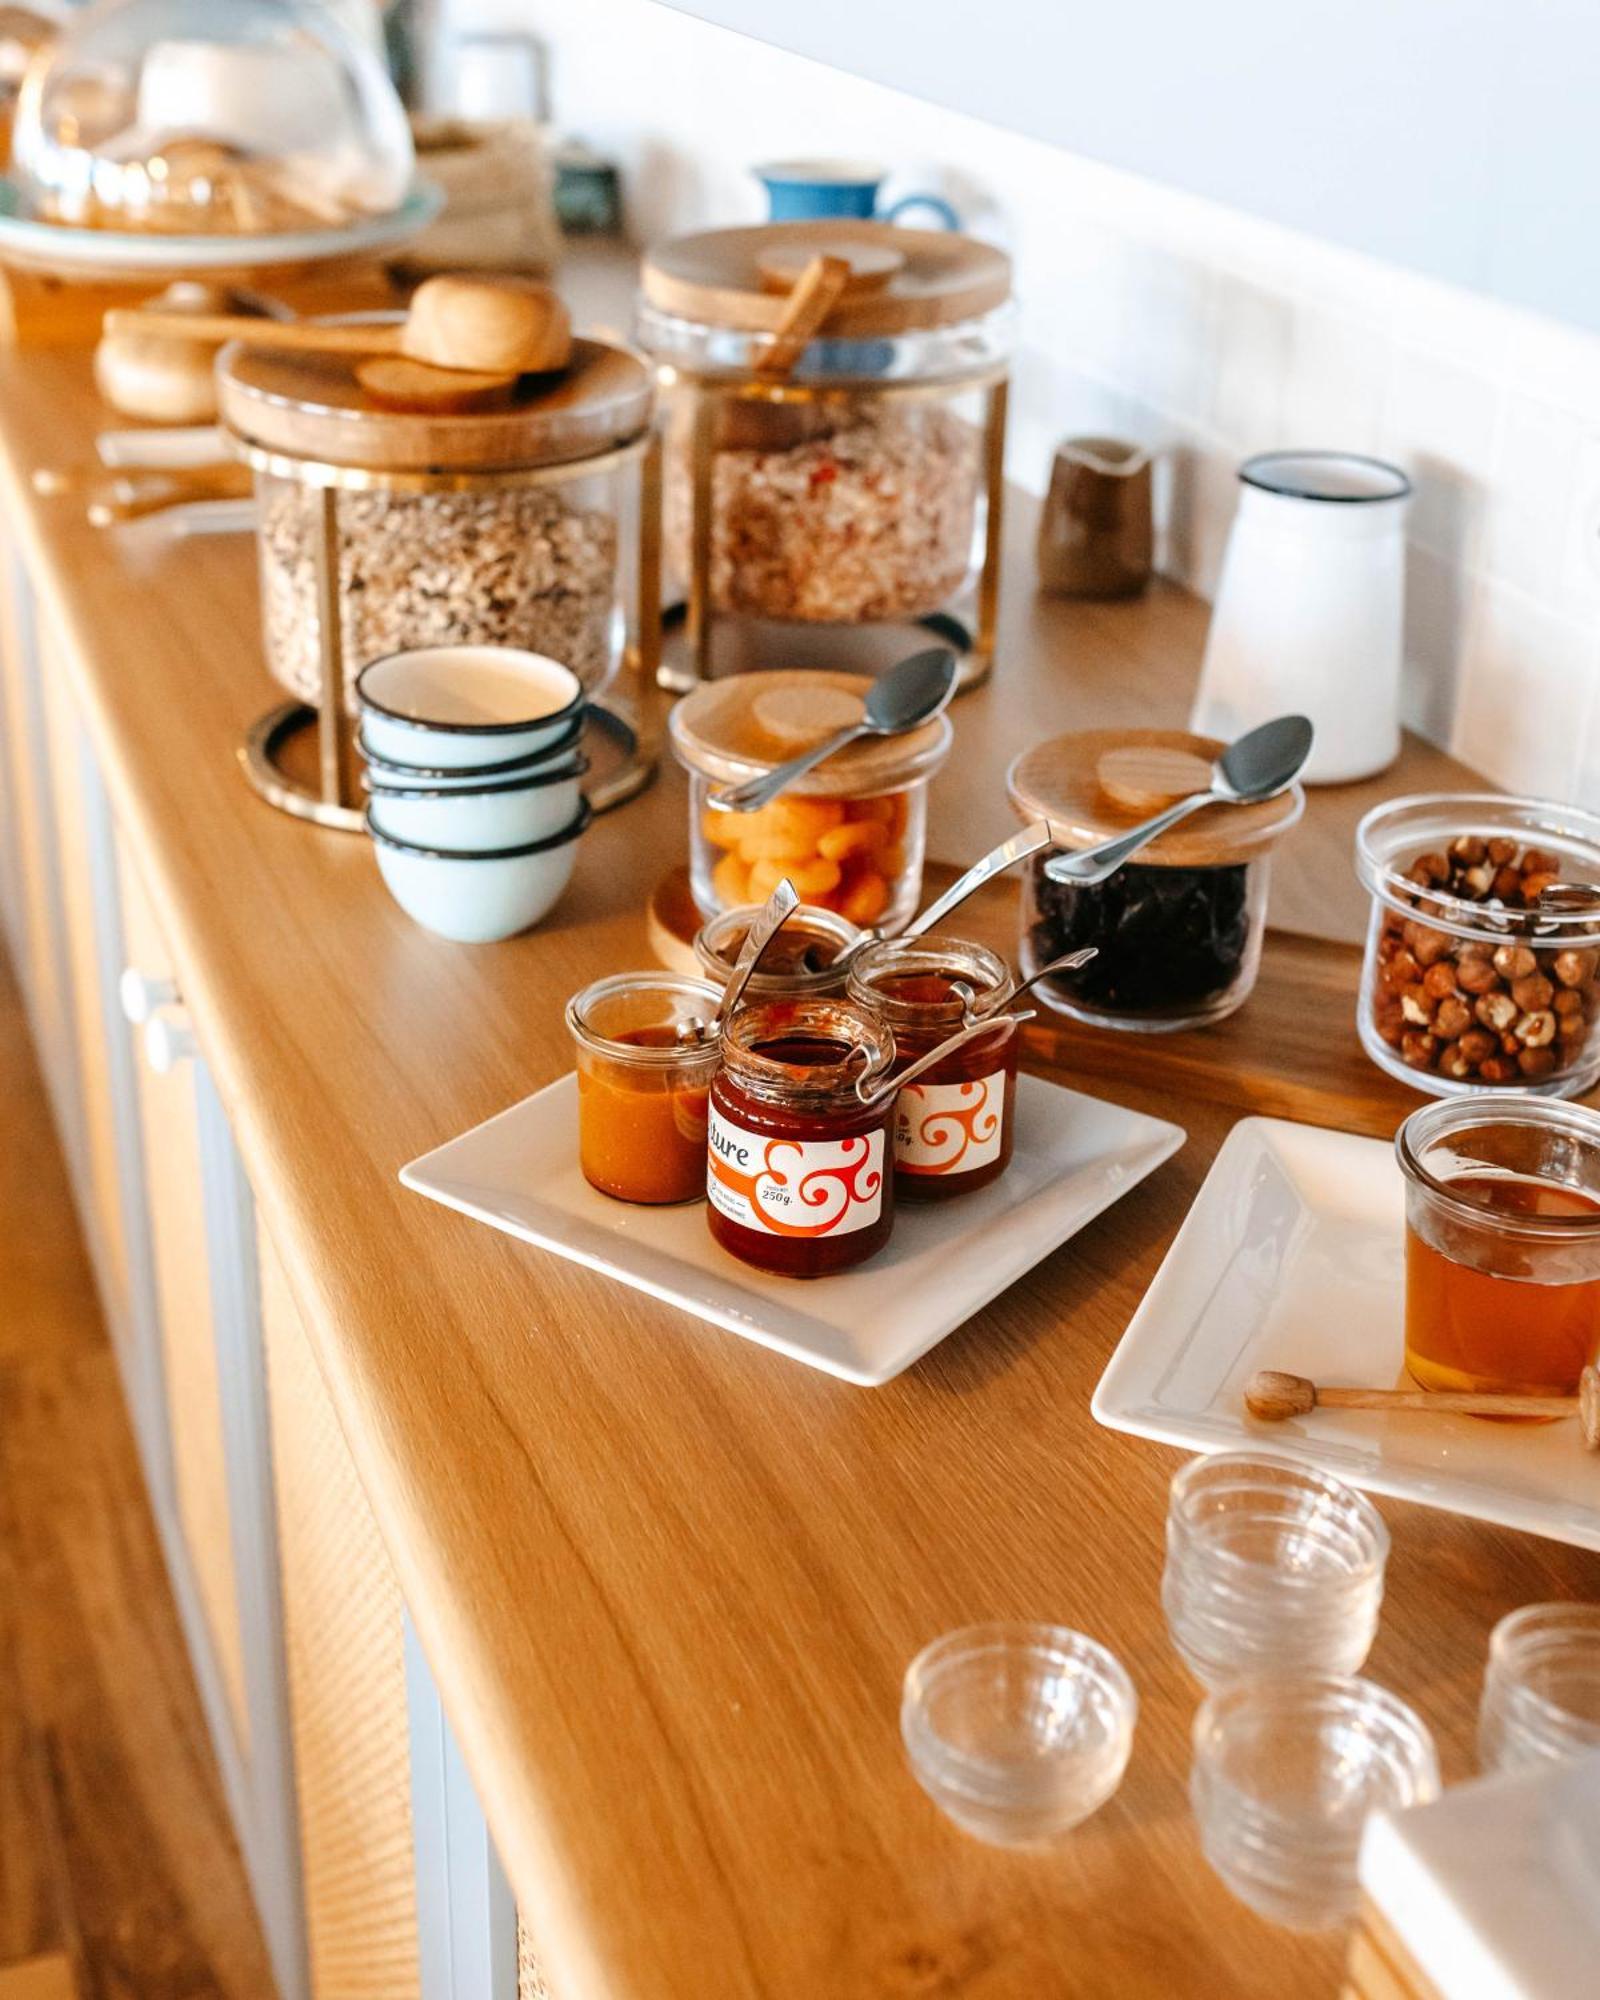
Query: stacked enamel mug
473	784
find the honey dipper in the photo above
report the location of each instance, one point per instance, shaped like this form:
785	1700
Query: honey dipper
1274	1396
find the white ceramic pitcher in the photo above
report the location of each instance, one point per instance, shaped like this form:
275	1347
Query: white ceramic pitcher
1309	613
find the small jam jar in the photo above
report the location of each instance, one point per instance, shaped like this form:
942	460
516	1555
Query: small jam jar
797	1171
808	959
641	1086
953	1127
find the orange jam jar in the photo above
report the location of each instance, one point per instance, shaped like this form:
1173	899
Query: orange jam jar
798	1171
1502	1243
953	1127
642	1086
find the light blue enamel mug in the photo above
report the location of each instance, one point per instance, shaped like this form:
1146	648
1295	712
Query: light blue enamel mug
806	190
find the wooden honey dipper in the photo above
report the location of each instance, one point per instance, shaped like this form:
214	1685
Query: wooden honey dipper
464	340
1274	1396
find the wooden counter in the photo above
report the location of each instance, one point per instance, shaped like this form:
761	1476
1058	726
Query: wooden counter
668	1582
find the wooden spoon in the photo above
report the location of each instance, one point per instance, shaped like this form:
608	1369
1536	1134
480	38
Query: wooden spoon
817	291
499	328
1274	1396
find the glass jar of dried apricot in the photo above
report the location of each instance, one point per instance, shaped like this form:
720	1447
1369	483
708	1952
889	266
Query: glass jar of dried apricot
643	1078
849	835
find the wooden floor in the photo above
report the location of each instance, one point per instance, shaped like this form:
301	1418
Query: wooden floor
119	1876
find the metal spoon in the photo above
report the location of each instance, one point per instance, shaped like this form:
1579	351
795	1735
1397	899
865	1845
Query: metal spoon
903	698
1262	763
872	1090
775	913
1068	963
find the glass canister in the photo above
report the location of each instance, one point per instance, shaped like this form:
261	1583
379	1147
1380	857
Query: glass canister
1472	979
643	1079
532	523
954	1128
808	959
860	489
1502	1244
798	1177
1178	931
849	835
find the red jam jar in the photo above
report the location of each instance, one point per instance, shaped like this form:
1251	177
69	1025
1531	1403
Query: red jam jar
798	1176
953	1127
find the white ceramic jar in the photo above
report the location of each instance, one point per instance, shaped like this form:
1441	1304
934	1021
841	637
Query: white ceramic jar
1310	609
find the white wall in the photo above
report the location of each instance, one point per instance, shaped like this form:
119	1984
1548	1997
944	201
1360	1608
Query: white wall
1211	333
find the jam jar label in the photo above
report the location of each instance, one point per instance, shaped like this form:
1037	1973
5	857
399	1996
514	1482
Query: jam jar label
949	1128
794	1187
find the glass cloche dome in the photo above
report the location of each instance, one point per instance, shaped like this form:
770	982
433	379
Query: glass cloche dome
210	117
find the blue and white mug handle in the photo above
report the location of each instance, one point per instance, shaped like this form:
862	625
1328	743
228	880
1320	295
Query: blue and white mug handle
948	219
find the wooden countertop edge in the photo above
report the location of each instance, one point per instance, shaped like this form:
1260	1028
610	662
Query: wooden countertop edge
483	1709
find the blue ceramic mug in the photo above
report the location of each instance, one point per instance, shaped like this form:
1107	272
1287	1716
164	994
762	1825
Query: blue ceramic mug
804	190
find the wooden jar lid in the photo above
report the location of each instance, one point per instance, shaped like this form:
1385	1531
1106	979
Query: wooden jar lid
311	406
1099	782
743	725
907	279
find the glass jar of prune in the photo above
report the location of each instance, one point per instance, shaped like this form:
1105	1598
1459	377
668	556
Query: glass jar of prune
808	959
953	1127
798	1176
1177	932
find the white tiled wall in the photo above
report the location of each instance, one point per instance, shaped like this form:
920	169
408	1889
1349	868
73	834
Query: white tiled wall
1156	315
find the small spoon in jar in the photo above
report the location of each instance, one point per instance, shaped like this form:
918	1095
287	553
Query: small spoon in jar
1069	962
1257	766
774	914
873	1091
902	699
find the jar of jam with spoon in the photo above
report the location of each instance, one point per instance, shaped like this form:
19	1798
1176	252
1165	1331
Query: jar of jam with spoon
808	959
953	1127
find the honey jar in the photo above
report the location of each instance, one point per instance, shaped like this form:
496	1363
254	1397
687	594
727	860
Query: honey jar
1502	1243
954	1125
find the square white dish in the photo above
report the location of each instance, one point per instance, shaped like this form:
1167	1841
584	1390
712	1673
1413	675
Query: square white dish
1293	1257
1074	1157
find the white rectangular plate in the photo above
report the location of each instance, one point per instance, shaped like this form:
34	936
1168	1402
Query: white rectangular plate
1074	1156
1293	1257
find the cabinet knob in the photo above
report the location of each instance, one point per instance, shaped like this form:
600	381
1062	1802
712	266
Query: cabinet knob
143	996
168	1042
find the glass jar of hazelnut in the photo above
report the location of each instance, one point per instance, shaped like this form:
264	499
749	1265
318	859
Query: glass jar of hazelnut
1478	976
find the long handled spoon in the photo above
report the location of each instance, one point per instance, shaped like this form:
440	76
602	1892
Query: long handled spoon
775	913
1068	962
904	698
1274	1397
1258	766
816	292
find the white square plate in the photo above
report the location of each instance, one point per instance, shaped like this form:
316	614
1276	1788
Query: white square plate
1293	1257
1074	1156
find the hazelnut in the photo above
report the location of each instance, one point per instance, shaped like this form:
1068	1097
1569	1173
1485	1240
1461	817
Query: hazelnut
1475	973
1514	961
1440	981
1453	1019
1500	851
1533	992
1534	886
1427	946
1418	1051
1476	1044
1537	1030
1565	1001
1571	1028
1454	1064
1509	1045
1506	885
1496	1011
1402	970
1497	1069
1539	861
1391	1028
1418	1004
1477	882
1429	870
1572	968
1469	849
1536	1062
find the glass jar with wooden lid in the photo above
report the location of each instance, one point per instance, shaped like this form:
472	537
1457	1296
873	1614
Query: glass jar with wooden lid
1177	932
531	521
849	835
849	477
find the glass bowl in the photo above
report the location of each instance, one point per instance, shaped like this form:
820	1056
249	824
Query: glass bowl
1541	1690
1271	1566
1467	984
1017	1732
186	118
1286	1769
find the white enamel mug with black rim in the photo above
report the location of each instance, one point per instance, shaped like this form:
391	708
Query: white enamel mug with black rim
484	818
453	708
